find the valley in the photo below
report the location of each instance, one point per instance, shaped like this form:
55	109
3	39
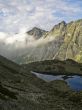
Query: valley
23	90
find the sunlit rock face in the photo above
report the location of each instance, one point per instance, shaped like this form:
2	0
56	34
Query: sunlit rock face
72	46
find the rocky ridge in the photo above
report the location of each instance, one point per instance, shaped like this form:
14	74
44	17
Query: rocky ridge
62	42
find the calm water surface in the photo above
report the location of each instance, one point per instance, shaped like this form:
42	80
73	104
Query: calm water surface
75	81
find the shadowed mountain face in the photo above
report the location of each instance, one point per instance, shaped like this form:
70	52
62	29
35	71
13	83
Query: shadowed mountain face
18	88
37	33
21	90
62	42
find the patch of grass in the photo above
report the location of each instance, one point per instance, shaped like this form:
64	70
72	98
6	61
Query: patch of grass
5	92
75	97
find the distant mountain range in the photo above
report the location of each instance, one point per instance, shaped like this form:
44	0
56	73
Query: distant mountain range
63	41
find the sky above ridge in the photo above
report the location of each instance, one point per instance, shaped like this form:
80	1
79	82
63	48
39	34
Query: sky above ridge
21	15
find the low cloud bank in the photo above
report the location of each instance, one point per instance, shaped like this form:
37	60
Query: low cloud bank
12	46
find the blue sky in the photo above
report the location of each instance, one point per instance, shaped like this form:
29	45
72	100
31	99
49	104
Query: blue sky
21	15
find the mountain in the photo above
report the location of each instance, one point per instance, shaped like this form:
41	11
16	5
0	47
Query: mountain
37	32
62	42
46	47
13	45
72	46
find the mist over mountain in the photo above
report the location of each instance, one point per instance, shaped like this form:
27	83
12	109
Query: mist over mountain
63	41
12	46
40	54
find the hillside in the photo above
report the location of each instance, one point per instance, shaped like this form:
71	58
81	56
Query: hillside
21	90
54	67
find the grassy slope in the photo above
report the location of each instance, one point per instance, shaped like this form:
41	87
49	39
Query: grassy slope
55	66
19	90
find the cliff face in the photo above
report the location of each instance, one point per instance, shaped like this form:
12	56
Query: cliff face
72	45
64	41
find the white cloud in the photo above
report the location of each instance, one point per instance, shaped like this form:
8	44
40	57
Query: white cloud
18	14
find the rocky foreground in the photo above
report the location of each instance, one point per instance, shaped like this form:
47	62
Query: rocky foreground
20	90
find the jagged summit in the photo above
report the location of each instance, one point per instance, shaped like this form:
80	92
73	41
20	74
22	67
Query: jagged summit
61	24
37	32
36	28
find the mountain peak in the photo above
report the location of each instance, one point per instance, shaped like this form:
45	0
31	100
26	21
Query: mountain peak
37	32
61	24
36	28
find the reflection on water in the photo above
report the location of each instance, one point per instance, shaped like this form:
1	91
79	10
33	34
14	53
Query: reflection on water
75	81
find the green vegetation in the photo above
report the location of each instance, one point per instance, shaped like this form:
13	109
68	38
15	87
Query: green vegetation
55	67
19	89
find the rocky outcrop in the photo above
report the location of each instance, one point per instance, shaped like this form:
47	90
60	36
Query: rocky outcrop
72	46
37	32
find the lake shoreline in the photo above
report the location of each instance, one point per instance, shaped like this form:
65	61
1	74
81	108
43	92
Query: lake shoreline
57	73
